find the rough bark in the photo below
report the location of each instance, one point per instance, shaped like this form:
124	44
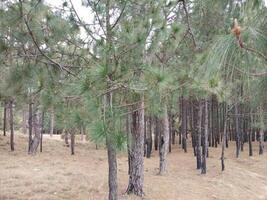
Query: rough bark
37	127
136	177
164	142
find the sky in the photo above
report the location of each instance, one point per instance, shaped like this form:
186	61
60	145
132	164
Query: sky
82	11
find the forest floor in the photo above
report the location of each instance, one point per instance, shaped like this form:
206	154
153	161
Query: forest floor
55	174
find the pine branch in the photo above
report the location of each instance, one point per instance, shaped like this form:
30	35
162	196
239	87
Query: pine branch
37	45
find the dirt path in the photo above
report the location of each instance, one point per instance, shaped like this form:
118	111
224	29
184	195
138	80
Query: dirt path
55	174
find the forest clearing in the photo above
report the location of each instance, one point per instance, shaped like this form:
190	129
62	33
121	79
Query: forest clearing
133	99
56	175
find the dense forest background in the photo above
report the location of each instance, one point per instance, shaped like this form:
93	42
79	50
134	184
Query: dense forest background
137	77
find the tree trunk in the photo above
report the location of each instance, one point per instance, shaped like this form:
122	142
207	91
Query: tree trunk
183	128
72	141
237	131
149	138
198	151
30	126
42	131
37	126
136	178
261	138
224	140
4	119
111	150
52	122
164	142
11	125
24	120
250	135
156	133
66	138
205	139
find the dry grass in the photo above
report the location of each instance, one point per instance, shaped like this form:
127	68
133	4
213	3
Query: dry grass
55	174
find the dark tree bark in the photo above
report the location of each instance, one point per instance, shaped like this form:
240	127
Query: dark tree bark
205	140
237	130
224	140
261	136
11	122
170	132
199	121
250	136
156	134
183	128
136	177
30	126
4	118
42	131
164	142
149	138
72	141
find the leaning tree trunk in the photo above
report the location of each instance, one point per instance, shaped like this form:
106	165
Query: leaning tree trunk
37	126
4	118
205	139
136	177
164	142
11	125
198	149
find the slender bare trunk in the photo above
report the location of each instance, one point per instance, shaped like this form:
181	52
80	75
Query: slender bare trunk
205	139
4	118
11	125
30	126
42	131
52	122
72	141
199	121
